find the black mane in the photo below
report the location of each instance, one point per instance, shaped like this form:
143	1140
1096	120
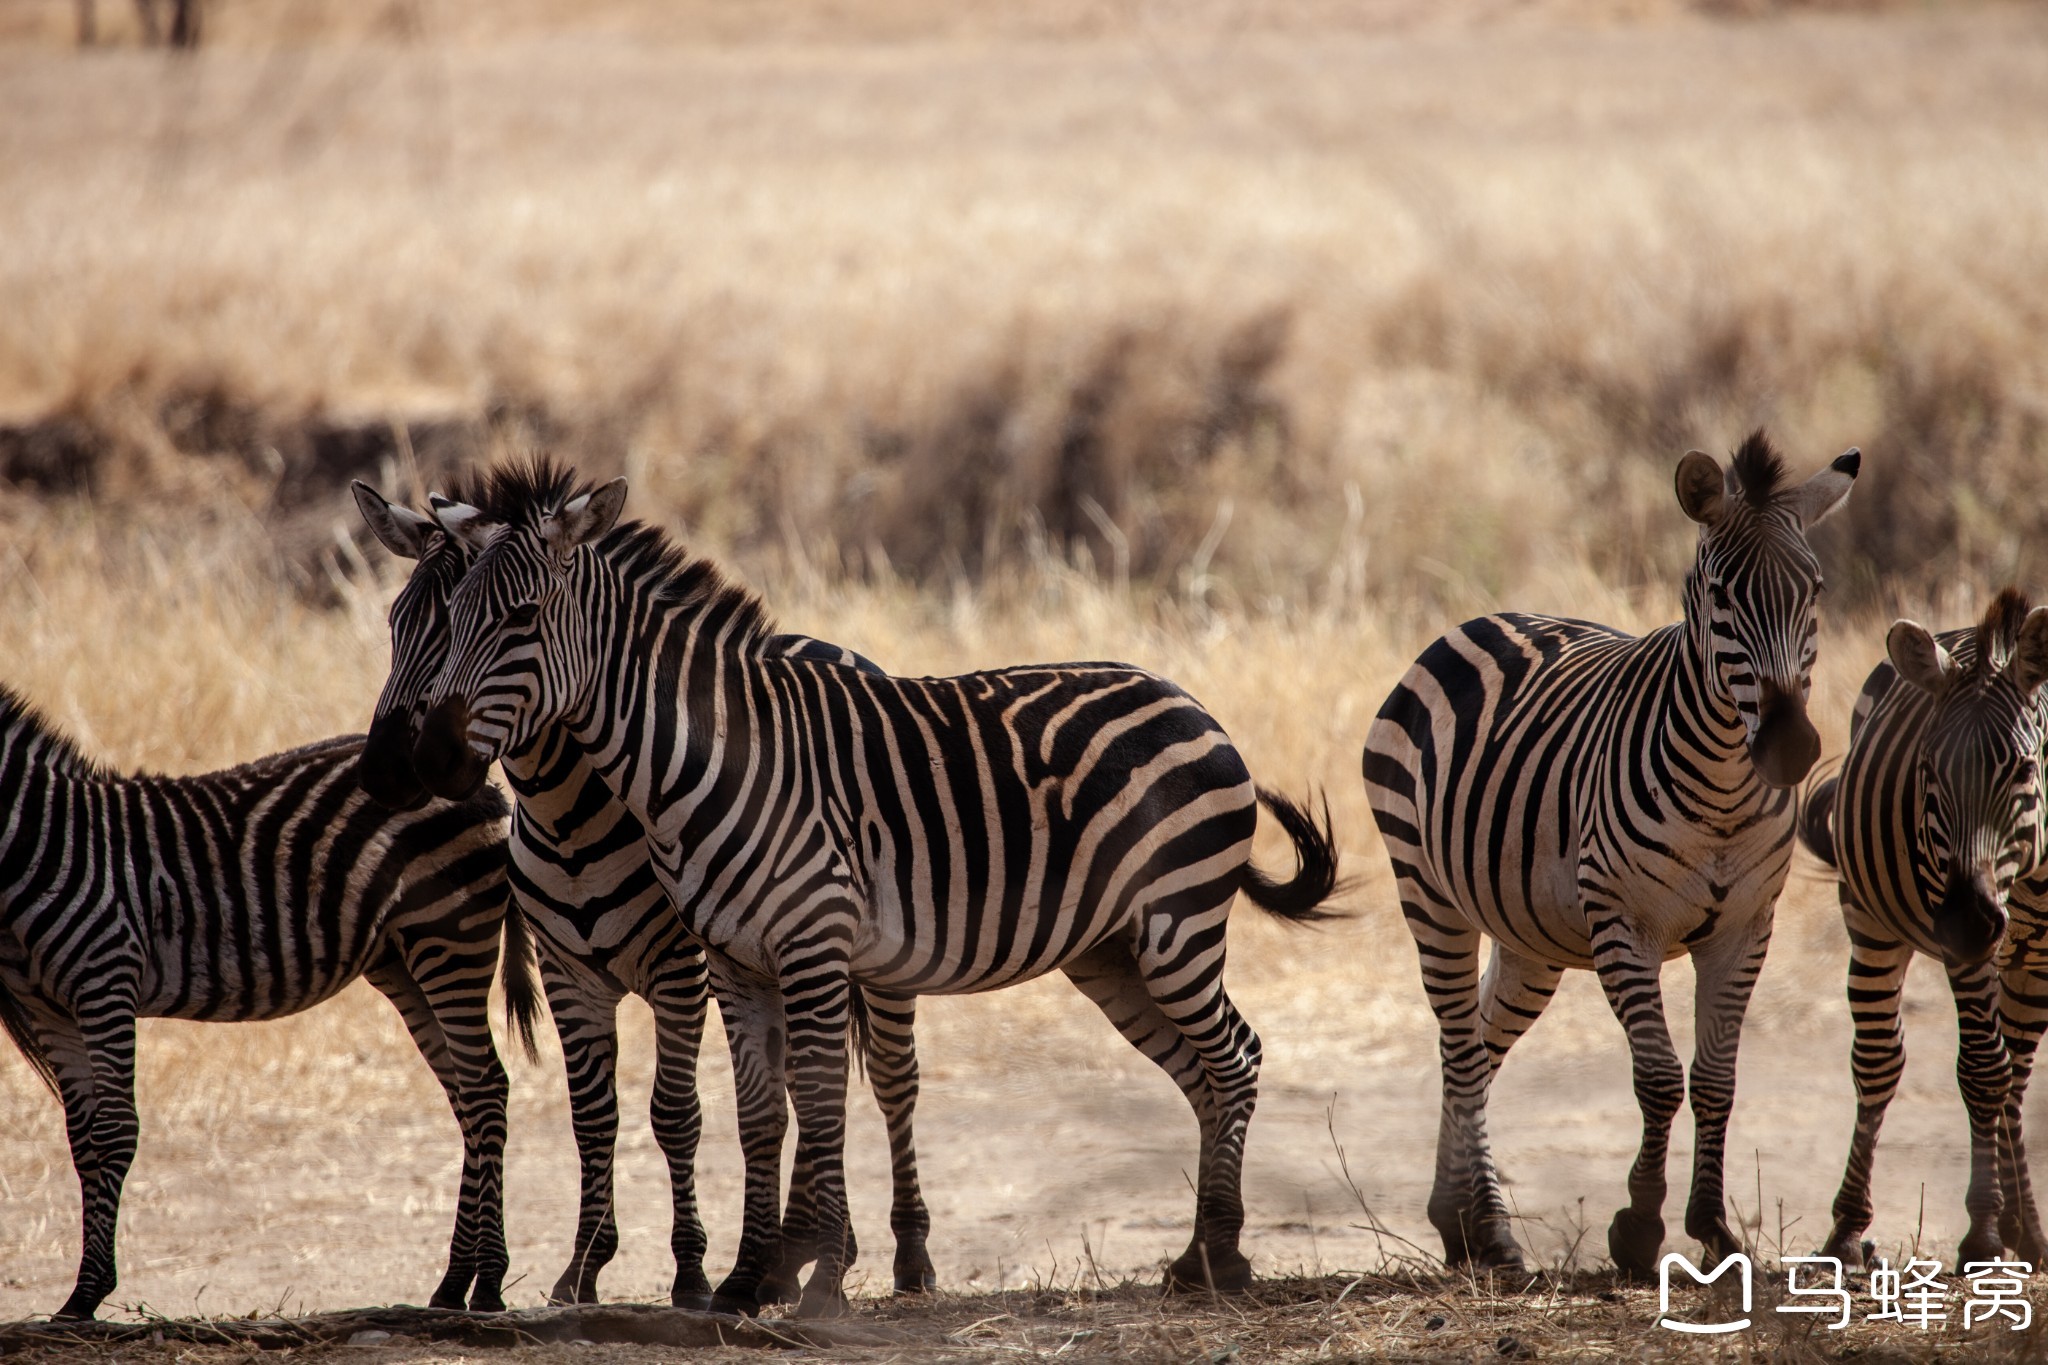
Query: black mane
521	494
59	750
1760	469
1998	634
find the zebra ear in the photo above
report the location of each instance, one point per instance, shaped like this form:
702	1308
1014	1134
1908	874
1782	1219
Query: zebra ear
2029	663
459	520
1702	487
1829	489
584	519
1919	658
400	530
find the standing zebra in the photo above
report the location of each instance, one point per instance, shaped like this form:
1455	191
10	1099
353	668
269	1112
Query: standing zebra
1586	798
582	876
825	828
1935	826
251	893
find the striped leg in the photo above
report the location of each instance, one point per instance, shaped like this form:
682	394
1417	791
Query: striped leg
816	1003
1725	970
2023	1013
1465	1204
1631	974
679	995
892	1072
445	1002
754	1029
1109	975
1984	1074
585	1005
1877	1058
95	1065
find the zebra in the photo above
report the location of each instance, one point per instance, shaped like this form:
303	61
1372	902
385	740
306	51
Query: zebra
823	828
581	875
249	893
1587	798
1935	826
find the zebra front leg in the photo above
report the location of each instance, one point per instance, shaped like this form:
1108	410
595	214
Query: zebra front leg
1984	1074
816	1007
74	1061
679	996
2023	1011
892	1073
1877	1058
585	1008
1631	977
1725	970
752	1011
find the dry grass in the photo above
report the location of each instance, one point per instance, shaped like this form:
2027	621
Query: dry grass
1252	345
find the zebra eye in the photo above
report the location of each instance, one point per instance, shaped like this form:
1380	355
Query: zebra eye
522	616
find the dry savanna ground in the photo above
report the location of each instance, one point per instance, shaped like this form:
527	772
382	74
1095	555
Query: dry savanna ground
1252	347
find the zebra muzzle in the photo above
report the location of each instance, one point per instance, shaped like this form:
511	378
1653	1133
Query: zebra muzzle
384	768
1969	924
1784	746
442	756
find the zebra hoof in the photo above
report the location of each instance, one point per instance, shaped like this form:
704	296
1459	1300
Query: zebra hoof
1219	1272
916	1279
1495	1251
1633	1241
486	1301
1979	1246
732	1303
822	1302
1846	1247
707	1302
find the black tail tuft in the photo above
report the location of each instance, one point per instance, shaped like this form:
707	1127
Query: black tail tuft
1316	846
14	1019
1816	820
522	980
860	1030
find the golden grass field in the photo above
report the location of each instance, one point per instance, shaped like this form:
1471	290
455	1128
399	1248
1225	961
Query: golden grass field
1251	343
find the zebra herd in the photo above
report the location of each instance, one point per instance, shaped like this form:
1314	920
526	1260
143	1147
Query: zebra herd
703	808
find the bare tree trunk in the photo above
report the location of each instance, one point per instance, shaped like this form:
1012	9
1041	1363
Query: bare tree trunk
88	24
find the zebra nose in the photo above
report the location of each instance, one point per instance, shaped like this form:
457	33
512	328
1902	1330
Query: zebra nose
1785	746
1970	923
384	768
442	756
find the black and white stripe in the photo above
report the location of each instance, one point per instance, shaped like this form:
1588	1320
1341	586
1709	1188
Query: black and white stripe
581	874
824	828
1935	824
1586	798
247	894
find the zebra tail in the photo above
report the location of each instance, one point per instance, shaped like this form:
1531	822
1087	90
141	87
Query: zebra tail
860	1030
517	965
1816	820
1316	881
14	1019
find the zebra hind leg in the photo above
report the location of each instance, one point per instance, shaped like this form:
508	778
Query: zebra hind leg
1109	976
447	1012
891	1047
752	1012
1465	1204
585	1007
1631	977
1877	1058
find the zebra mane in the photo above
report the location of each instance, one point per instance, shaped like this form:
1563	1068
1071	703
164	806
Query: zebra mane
1760	469
1998	634
647	555
55	749
520	493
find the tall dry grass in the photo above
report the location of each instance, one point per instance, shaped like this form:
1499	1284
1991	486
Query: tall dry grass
1230	302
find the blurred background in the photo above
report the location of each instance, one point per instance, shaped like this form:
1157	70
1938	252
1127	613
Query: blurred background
1254	341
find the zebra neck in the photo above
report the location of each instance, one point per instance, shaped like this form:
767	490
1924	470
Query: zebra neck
39	773
1701	728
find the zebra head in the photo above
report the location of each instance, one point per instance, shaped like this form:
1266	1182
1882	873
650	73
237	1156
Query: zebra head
1749	600
419	643
1979	768
513	664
